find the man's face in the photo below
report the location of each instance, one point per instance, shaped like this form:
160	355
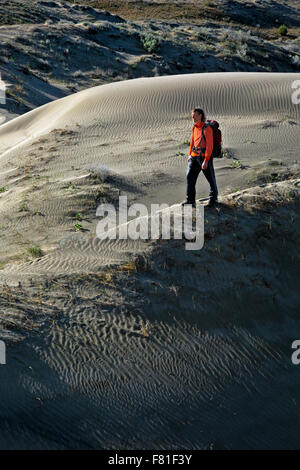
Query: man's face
196	116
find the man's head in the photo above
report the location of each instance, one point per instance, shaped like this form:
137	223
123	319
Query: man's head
198	115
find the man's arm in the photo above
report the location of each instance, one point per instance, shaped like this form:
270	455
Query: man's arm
192	143
208	133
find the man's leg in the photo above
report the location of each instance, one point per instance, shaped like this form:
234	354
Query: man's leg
209	174
191	178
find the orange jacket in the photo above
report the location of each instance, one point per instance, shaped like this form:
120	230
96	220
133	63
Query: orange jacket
196	138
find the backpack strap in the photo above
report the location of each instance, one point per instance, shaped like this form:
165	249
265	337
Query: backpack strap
203	128
203	136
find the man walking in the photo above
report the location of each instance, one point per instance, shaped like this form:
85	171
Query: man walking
200	158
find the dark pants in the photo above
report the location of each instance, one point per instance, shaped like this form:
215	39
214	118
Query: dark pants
194	168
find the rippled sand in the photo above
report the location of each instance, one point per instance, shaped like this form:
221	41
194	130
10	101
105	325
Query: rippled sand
178	349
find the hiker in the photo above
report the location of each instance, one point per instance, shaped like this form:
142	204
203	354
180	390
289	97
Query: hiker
200	158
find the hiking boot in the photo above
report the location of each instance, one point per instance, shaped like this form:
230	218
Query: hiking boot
212	203
185	203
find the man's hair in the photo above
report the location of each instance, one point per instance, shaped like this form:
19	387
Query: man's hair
199	111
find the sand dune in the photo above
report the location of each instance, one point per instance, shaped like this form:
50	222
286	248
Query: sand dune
160	348
130	106
136	129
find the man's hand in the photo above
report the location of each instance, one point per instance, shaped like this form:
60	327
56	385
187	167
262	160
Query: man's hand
189	158
204	165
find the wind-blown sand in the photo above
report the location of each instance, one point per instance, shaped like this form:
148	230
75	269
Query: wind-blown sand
136	129
178	349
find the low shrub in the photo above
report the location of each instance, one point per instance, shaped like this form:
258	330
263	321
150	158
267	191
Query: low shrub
282	30
149	42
